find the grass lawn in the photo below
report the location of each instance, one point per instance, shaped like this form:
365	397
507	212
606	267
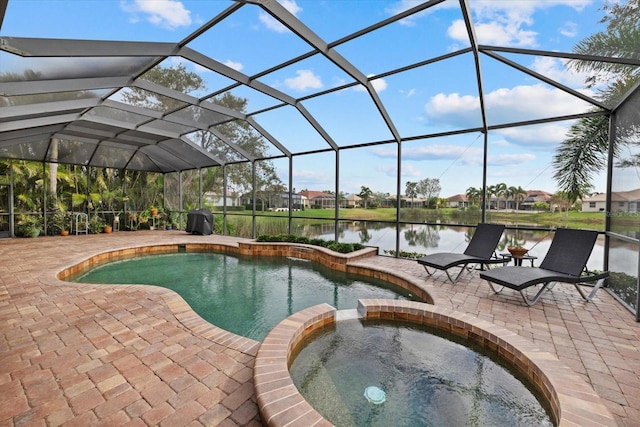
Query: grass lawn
591	220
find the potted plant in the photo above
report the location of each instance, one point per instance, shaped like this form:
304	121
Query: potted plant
96	224
59	222
143	220
517	251
28	226
168	219
132	217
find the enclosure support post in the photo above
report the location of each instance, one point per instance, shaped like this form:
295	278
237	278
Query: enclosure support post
484	179
398	196
291	195
253	194
608	203
224	199
200	198
180	202
44	197
336	208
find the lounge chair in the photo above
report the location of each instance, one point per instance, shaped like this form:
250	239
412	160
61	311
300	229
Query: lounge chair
565	262
481	250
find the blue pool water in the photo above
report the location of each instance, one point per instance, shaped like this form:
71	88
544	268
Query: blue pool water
381	373
244	295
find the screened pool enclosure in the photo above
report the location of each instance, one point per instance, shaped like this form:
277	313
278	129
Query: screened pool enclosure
300	128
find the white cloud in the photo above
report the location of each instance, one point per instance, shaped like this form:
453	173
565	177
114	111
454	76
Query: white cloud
501	143
535	101
546	135
169	14
509	22
408	93
494	33
569	29
387	169
305	79
408	170
510	159
453	103
272	24
556	69
454	109
503	106
379	85
234	65
432	152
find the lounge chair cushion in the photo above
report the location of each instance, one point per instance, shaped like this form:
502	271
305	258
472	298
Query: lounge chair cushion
446	260
518	278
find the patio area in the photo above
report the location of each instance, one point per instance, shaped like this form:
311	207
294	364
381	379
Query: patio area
77	354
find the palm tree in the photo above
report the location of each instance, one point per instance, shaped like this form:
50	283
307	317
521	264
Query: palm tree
474	195
365	194
584	153
491	191
501	191
411	190
518	194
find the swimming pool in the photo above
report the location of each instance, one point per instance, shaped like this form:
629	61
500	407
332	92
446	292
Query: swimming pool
246	295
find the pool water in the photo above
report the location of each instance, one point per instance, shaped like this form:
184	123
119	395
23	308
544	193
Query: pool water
417	377
244	295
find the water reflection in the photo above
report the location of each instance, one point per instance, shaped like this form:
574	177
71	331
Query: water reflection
426	239
423	239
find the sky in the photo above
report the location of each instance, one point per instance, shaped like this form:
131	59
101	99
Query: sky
435	98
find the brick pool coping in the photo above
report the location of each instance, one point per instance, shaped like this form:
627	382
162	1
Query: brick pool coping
572	401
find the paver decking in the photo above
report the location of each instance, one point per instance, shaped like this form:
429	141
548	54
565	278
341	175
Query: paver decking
77	354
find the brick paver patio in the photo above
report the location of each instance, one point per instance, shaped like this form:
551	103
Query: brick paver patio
77	354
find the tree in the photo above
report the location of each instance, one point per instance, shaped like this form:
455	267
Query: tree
518	194
175	78
584	153
491	191
561	200
411	190
365	194
501	191
236	133
429	188
474	195
379	198
581	156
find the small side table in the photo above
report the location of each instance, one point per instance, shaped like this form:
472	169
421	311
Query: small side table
517	260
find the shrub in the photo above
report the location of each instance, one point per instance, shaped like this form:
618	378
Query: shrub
317	242
405	254
343	248
329	244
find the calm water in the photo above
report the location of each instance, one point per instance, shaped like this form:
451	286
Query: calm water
426	239
244	295
429	380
